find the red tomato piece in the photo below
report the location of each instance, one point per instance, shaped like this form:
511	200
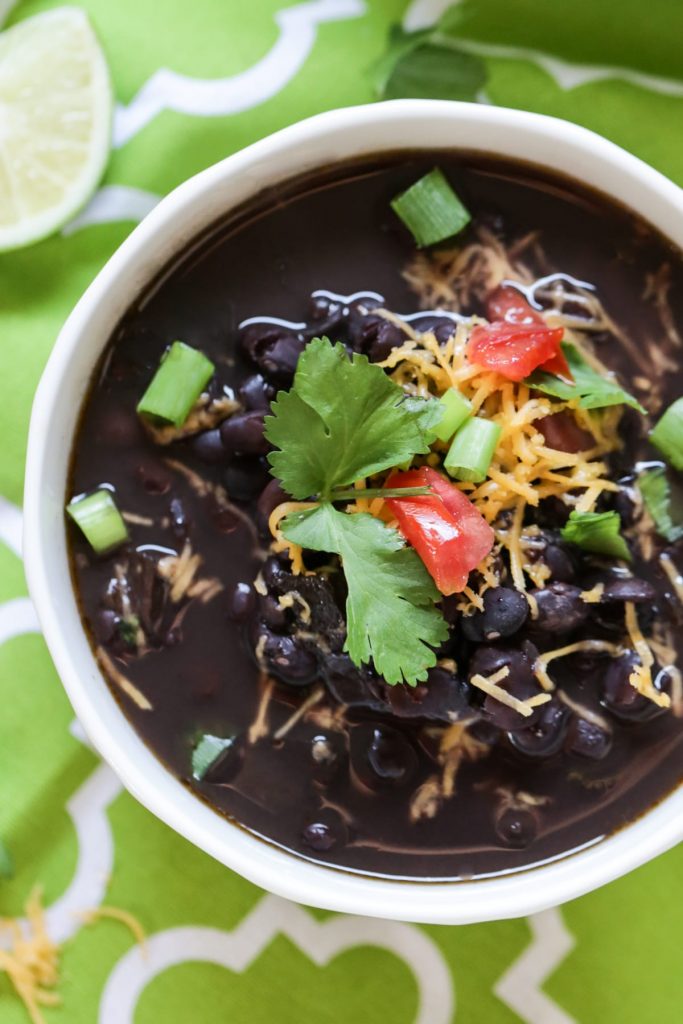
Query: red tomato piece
506	303
513	350
448	533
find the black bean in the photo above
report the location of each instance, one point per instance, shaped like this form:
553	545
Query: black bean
279	361
241	602
272	572
351	685
560	562
319	836
381	755
119	426
520	682
274	349
625	506
517	827
505	611
560	608
154	477
272	614
270	497
287	658
321	307
546	736
629	588
326	831
445	697
256	393
388	336
208	446
620	697
243	434
245	477
105	625
588	739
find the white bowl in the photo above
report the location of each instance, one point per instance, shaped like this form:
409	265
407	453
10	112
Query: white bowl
315	143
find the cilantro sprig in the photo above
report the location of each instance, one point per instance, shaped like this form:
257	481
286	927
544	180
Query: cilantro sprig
390	611
592	389
342	421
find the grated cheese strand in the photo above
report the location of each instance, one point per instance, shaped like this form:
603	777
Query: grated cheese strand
489	685
641	677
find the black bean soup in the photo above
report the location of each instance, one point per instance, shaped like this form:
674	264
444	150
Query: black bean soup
204	629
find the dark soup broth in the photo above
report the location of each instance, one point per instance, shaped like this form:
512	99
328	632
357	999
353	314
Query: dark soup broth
474	678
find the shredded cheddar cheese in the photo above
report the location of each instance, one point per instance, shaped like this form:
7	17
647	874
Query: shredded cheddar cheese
641	677
32	962
489	685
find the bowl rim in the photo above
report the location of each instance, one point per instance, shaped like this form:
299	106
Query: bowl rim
554	144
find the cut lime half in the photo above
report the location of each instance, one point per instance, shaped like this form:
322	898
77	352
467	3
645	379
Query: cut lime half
55	123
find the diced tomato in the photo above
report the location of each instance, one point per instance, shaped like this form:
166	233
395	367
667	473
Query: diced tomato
513	350
448	533
506	303
562	432
515	354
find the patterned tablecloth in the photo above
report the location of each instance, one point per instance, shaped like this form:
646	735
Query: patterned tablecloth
194	82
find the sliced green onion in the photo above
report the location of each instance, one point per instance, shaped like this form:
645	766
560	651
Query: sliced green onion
455	410
431	210
597	532
668	434
183	374
6	862
99	520
469	457
208	751
654	487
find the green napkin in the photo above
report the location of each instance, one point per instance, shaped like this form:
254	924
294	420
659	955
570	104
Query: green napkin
194	82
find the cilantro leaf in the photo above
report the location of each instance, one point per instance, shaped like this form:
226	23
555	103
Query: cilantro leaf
664	507
390	611
597	532
593	390
342	420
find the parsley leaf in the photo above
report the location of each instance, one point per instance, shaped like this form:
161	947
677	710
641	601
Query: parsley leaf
342	420
593	390
390	610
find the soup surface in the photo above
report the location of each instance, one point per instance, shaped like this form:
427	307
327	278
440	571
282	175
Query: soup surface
232	665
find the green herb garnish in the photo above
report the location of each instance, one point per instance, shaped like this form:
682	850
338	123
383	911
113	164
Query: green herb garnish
431	210
390	611
428	64
469	457
100	521
667	435
592	389
207	752
342	421
598	532
6	862
182	375
654	486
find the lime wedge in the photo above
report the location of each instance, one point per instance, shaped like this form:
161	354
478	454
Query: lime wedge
55	123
